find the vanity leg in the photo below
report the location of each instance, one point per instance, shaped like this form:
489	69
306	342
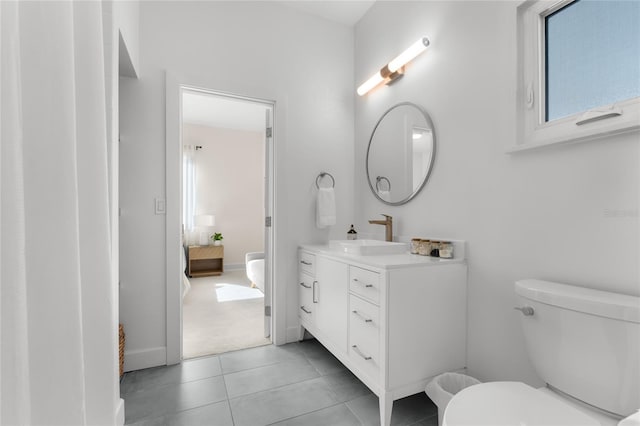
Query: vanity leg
301	336
386	405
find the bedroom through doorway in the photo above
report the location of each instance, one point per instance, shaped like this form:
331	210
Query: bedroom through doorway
226	150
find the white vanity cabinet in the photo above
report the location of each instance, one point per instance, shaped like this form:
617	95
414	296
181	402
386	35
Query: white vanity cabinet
395	321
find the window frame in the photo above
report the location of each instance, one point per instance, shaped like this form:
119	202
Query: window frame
532	129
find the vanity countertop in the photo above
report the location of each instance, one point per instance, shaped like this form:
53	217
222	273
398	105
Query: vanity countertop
387	261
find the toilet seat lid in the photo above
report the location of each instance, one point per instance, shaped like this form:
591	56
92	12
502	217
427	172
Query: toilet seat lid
511	403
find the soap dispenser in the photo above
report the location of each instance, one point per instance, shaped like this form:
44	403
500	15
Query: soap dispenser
352	234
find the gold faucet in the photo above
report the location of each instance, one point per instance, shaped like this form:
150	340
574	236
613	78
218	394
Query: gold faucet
388	225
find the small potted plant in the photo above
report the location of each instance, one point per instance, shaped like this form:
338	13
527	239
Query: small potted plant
217	239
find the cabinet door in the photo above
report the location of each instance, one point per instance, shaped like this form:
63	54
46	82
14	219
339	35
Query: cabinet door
331	301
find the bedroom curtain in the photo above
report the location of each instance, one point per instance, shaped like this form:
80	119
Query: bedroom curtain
58	357
189	193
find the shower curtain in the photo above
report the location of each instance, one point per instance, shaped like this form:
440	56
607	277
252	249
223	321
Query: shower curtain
58	327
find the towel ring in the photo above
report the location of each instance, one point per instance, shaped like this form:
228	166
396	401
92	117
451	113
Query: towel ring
323	174
381	178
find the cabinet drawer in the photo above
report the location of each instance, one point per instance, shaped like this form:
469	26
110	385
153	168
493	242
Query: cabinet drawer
206	252
305	297
365	283
307	262
364	335
364	325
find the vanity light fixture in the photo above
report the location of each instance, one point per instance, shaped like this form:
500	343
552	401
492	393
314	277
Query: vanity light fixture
394	69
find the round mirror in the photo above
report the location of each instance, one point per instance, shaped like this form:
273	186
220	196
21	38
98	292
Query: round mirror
401	152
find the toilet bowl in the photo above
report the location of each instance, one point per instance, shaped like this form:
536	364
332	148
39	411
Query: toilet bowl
583	343
515	404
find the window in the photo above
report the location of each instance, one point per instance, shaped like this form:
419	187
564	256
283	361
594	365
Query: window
578	70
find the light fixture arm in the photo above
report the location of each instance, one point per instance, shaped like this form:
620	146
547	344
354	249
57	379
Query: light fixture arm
391	76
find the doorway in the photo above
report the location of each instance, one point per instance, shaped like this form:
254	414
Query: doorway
226	175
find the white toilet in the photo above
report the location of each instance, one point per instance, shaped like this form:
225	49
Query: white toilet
584	344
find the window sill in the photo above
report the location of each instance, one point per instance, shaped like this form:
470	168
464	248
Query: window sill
514	149
575	129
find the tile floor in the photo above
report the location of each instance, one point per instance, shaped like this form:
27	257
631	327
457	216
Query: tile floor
294	384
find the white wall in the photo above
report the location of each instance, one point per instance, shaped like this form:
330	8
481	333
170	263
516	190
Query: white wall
120	27
257	49
230	185
567	213
127	14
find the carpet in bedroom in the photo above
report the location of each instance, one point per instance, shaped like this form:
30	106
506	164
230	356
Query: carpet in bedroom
222	314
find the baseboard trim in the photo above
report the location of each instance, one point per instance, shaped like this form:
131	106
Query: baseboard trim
293	334
145	358
234	266
120	413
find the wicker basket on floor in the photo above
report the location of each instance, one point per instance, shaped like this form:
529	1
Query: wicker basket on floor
121	351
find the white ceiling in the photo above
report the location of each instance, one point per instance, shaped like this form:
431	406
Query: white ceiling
227	113
347	12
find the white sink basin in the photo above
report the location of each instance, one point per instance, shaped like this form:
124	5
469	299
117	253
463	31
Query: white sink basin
368	247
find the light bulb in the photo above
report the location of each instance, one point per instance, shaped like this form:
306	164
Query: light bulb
370	84
414	50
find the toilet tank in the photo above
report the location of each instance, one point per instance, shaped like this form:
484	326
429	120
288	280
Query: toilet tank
584	342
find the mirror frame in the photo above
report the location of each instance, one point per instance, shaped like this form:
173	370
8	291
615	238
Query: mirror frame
431	163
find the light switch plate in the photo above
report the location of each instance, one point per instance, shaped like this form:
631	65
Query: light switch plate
161	206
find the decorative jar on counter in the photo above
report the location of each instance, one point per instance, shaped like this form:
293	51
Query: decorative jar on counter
446	250
415	245
424	247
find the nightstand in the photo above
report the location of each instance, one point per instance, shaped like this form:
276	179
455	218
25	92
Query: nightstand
205	260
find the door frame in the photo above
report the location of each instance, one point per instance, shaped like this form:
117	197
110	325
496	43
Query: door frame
173	208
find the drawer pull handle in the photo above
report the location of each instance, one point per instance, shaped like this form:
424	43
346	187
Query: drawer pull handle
361	283
356	350
362	317
304	262
313	296
302	307
527	311
304	285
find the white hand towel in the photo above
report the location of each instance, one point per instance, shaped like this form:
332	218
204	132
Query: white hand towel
385	195
326	208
